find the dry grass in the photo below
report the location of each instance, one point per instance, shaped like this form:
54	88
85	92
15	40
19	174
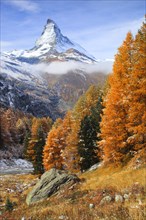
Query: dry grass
74	204
15	187
119	178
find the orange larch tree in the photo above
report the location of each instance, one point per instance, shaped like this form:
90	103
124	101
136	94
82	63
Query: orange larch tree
137	94
52	150
114	132
70	153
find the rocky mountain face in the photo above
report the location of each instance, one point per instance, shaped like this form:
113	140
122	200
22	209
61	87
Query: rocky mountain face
29	98
28	82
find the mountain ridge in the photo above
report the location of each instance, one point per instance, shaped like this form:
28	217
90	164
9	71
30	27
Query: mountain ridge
29	71
53	43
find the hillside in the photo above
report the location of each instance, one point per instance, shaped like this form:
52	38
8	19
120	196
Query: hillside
84	200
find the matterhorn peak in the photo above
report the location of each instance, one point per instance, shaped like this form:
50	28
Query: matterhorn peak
52	43
49	34
50	21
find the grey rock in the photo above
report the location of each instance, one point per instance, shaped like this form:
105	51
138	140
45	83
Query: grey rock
95	166
118	198
91	205
63	217
126	197
139	201
105	200
50	183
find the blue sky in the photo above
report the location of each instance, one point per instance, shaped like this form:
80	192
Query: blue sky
99	26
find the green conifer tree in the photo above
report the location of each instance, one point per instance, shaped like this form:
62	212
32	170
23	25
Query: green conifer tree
88	146
38	148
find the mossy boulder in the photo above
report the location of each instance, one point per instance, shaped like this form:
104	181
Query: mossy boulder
50	183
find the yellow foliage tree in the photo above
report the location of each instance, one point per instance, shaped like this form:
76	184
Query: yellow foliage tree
52	151
123	126
137	93
114	132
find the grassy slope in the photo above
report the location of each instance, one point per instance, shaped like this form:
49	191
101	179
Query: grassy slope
119	178
74	202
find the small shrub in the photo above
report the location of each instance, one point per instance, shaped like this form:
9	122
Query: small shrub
9	205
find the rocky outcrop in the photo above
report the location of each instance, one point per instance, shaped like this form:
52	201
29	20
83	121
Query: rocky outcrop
29	98
50	183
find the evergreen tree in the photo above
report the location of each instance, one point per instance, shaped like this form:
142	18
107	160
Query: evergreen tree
83	107
87	143
38	149
88	137
9	205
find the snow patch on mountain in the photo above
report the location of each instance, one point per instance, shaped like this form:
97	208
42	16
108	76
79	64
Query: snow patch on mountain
15	166
21	71
14	53
52	43
53	53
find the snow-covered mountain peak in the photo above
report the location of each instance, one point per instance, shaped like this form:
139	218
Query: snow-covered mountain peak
49	35
50	21
52	44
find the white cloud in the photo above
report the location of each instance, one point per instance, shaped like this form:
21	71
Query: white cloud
64	67
24	5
